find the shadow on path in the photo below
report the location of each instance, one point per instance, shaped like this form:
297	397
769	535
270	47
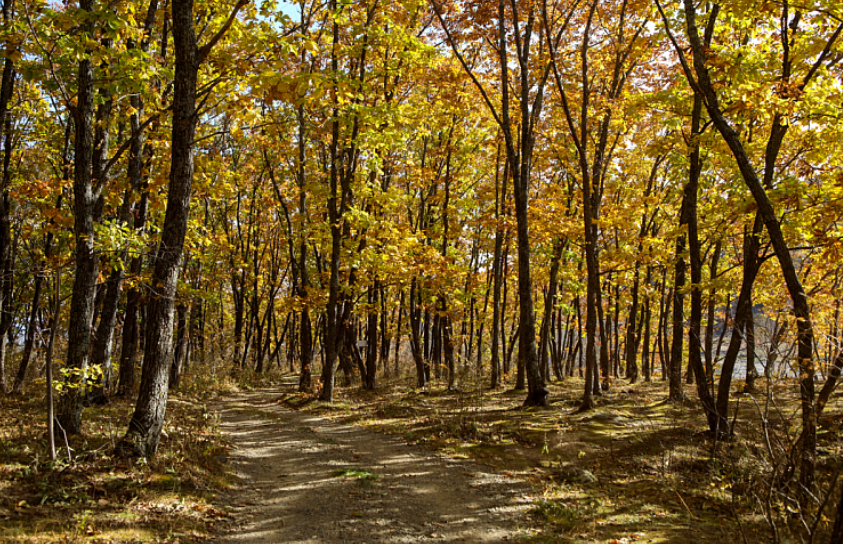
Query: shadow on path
291	490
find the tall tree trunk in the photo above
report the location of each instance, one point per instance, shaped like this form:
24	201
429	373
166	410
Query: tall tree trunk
674	367
138	183
798	296
332	328
497	265
398	330
448	346
709	326
103	342
631	345
422	373
645	344
549	308
371	374
604	382
69	413
29	341
305	350
742	311
101	345
695	254
751	372
6	90
632	334
145	426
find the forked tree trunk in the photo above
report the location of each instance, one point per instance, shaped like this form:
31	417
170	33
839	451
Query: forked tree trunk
798	296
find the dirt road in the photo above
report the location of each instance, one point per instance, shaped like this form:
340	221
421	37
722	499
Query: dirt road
305	479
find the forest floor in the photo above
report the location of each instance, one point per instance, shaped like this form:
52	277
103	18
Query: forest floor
308	479
86	495
635	469
262	463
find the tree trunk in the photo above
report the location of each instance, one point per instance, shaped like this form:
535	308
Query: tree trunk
742	312
645	344
332	337
549	308
370	376
138	183
690	218
422	373
144	430
69	413
674	366
497	264
398	334
709	327
182	339
6	90
799	298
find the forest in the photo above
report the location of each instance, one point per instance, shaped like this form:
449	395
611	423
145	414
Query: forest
469	213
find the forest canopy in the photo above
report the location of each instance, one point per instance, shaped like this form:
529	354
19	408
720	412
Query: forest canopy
510	193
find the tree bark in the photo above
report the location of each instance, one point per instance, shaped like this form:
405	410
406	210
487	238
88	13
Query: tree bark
69	413
144	431
180	355
137	181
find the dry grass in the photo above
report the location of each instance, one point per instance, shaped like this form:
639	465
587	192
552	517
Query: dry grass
635	468
95	498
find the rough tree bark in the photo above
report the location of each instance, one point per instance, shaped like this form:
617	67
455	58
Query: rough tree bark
145	426
69	413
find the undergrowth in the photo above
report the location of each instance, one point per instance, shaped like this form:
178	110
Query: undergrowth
93	497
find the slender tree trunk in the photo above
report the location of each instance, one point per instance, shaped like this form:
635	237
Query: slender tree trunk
742	311
645	349
709	326
549	308
370	376
182	339
605	379
496	310
422	373
751	372
332	328
398	330
661	335
101	344
6	90
802	310
29	341
690	218
448	346
631	327
134	296
674	367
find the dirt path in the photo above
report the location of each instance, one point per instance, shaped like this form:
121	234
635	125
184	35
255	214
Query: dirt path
289	464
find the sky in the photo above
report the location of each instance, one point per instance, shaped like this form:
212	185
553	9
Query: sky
288	8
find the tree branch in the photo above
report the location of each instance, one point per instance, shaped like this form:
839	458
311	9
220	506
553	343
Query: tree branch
205	50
